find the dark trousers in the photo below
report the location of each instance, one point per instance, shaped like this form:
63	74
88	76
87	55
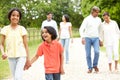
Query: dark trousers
52	76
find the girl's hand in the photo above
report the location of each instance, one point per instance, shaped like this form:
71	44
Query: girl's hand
27	64
4	56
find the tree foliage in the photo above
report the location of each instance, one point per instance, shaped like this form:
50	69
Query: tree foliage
34	11
111	6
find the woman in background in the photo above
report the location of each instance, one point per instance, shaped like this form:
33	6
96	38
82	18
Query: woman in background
65	34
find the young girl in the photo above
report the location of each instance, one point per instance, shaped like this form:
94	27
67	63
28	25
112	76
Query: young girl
65	34
53	54
15	37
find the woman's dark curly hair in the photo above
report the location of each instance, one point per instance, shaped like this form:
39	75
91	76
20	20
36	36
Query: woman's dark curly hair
51	31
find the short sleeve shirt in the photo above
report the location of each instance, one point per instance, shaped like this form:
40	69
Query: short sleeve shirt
51	54
65	30
14	40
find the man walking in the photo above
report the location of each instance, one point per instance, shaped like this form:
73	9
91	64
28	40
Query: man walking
89	32
50	22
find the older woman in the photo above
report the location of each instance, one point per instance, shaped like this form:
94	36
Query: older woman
110	35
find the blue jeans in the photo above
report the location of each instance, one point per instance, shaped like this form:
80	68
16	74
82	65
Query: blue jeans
52	76
89	43
65	44
16	66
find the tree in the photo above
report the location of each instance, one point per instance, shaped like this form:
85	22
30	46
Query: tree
34	11
111	6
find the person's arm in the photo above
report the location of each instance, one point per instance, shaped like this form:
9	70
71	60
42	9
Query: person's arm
82	30
62	61
31	62
2	44
60	30
34	59
117	29
25	42
70	31
56	28
101	34
38	53
4	56
59	33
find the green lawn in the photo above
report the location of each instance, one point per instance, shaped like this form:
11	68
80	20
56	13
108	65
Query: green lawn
75	32
4	68
33	45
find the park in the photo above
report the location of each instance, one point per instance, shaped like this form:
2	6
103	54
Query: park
34	12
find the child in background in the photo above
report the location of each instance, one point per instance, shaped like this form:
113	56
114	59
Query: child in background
53	54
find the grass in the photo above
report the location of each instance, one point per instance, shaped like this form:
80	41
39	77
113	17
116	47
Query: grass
33	45
4	68
75	32
102	49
